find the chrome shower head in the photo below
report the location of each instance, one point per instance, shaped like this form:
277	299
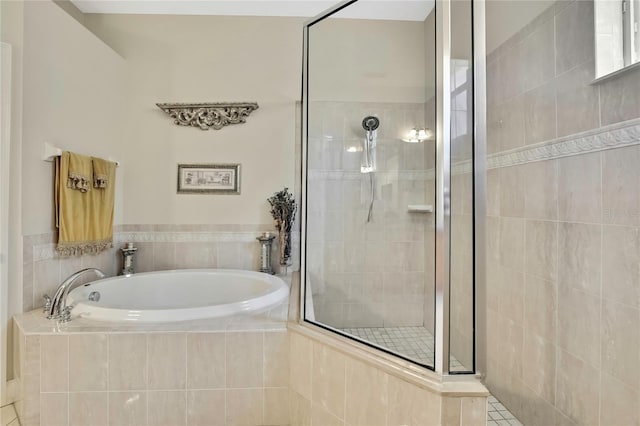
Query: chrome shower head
370	123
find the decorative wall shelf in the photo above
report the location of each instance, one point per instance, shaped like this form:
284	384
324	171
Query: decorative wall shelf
214	115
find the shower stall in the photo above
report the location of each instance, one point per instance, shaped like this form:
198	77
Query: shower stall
393	178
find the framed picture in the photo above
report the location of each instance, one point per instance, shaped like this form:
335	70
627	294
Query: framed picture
209	179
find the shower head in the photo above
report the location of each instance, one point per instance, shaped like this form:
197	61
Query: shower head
370	123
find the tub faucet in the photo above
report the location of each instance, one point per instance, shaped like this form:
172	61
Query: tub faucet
59	309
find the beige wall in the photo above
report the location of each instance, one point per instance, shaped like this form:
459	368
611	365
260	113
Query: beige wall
200	59
74	92
367	61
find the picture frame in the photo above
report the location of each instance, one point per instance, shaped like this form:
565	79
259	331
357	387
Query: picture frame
209	179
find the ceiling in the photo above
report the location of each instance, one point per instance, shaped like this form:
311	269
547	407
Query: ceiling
411	10
504	18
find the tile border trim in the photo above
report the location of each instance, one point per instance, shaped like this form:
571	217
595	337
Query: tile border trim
619	135
48	250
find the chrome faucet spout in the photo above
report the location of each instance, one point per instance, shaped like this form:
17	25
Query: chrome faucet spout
58	307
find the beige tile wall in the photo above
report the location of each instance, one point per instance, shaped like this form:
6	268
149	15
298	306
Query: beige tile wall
329	387
563	251
366	274
160	247
195	378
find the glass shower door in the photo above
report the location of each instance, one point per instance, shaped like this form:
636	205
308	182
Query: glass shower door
390	207
370	176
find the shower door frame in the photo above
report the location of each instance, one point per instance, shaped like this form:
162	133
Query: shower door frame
443	186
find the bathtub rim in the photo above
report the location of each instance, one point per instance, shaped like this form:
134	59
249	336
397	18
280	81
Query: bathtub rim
255	305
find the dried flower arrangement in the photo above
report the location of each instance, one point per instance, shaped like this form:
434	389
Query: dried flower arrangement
283	210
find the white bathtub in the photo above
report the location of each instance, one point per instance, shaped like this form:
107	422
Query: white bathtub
179	295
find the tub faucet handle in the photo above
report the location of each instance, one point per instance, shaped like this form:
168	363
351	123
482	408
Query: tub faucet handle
47	303
65	315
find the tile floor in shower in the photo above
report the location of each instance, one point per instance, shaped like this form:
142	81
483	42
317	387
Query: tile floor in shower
498	415
417	343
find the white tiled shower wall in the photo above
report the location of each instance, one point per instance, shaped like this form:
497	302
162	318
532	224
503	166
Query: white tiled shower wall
160	247
367	274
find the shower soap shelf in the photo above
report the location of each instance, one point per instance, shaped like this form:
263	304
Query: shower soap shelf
420	208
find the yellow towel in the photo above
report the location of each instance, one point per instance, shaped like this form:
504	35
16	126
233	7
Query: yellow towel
100	172
78	172
84	219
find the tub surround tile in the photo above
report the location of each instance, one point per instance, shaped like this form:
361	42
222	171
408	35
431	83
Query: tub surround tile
276	406
206	360
88	409
166	360
320	416
276	359
410	405
239	255
473	411
206	407
128	361
366	394
195	255
300	369
328	379
164	256
88	362
54	409
244	407
54	356
300	409
127	408
167	408
451	411
46	279
244	360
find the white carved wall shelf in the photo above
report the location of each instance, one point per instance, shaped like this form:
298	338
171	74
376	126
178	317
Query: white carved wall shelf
209	115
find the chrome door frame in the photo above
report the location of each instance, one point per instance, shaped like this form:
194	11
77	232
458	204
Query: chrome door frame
443	184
